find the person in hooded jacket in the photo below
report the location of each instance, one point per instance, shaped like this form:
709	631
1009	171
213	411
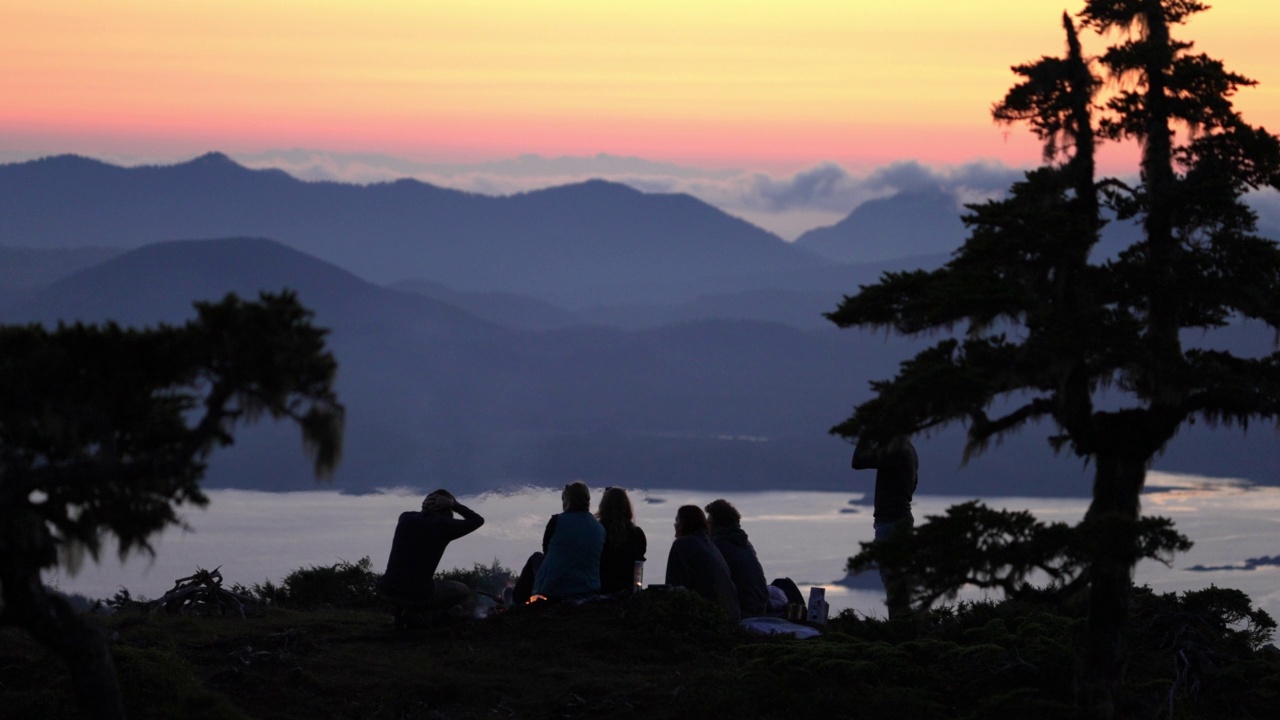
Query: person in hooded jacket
695	564
725	523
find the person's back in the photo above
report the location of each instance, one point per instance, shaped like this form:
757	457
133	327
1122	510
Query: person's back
416	548
744	569
624	543
897	473
730	539
572	564
696	564
572	545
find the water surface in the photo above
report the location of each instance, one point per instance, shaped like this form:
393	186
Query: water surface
807	536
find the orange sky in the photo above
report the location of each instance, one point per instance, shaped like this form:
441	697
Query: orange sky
743	83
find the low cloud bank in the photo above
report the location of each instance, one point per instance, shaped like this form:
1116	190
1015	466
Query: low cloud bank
784	204
787	205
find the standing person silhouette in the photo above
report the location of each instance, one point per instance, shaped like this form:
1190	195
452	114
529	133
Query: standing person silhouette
897	474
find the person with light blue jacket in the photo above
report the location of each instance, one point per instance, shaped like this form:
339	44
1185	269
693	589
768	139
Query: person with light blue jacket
569	564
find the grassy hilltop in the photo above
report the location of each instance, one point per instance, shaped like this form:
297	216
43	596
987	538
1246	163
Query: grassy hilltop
321	646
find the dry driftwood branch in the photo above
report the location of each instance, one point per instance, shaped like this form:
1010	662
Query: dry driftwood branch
201	590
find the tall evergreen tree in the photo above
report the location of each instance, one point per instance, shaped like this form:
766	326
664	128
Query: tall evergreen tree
104	431
1042	331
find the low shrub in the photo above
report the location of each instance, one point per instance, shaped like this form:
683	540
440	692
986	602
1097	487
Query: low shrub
341	585
674	618
491	578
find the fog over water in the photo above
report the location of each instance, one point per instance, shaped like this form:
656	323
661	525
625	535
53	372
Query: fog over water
807	536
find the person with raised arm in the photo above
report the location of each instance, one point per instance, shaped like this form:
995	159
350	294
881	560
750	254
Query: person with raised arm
419	542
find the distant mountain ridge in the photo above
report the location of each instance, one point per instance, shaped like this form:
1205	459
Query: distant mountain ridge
584	331
439	396
581	244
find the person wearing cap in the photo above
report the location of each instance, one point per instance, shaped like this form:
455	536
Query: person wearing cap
419	542
725	523
897	474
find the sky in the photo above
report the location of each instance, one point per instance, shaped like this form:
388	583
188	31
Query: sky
771	90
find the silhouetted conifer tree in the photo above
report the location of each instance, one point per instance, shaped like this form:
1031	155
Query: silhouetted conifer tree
104	431
1044	329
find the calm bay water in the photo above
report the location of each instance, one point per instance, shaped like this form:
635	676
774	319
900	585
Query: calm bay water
807	536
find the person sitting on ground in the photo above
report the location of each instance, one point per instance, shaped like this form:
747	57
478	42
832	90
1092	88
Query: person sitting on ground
694	563
624	542
569	564
419	542
731	540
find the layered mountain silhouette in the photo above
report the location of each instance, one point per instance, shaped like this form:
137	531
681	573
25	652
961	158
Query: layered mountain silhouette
796	298
589	331
437	395
589	243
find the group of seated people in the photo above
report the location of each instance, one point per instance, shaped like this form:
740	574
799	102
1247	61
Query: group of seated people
583	554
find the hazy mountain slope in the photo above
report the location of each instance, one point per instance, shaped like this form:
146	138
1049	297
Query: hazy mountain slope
149	285
382	339
794	297
797	308
588	243
436	396
917	222
26	267
23	270
502	308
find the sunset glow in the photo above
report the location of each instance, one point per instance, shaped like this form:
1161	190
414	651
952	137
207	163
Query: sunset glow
712	81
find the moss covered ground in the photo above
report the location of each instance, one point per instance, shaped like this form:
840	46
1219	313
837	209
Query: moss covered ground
660	654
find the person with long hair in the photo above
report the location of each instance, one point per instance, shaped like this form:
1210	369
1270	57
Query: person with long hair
696	564
624	541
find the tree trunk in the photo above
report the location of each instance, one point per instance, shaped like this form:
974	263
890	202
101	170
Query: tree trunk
1111	518
55	624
